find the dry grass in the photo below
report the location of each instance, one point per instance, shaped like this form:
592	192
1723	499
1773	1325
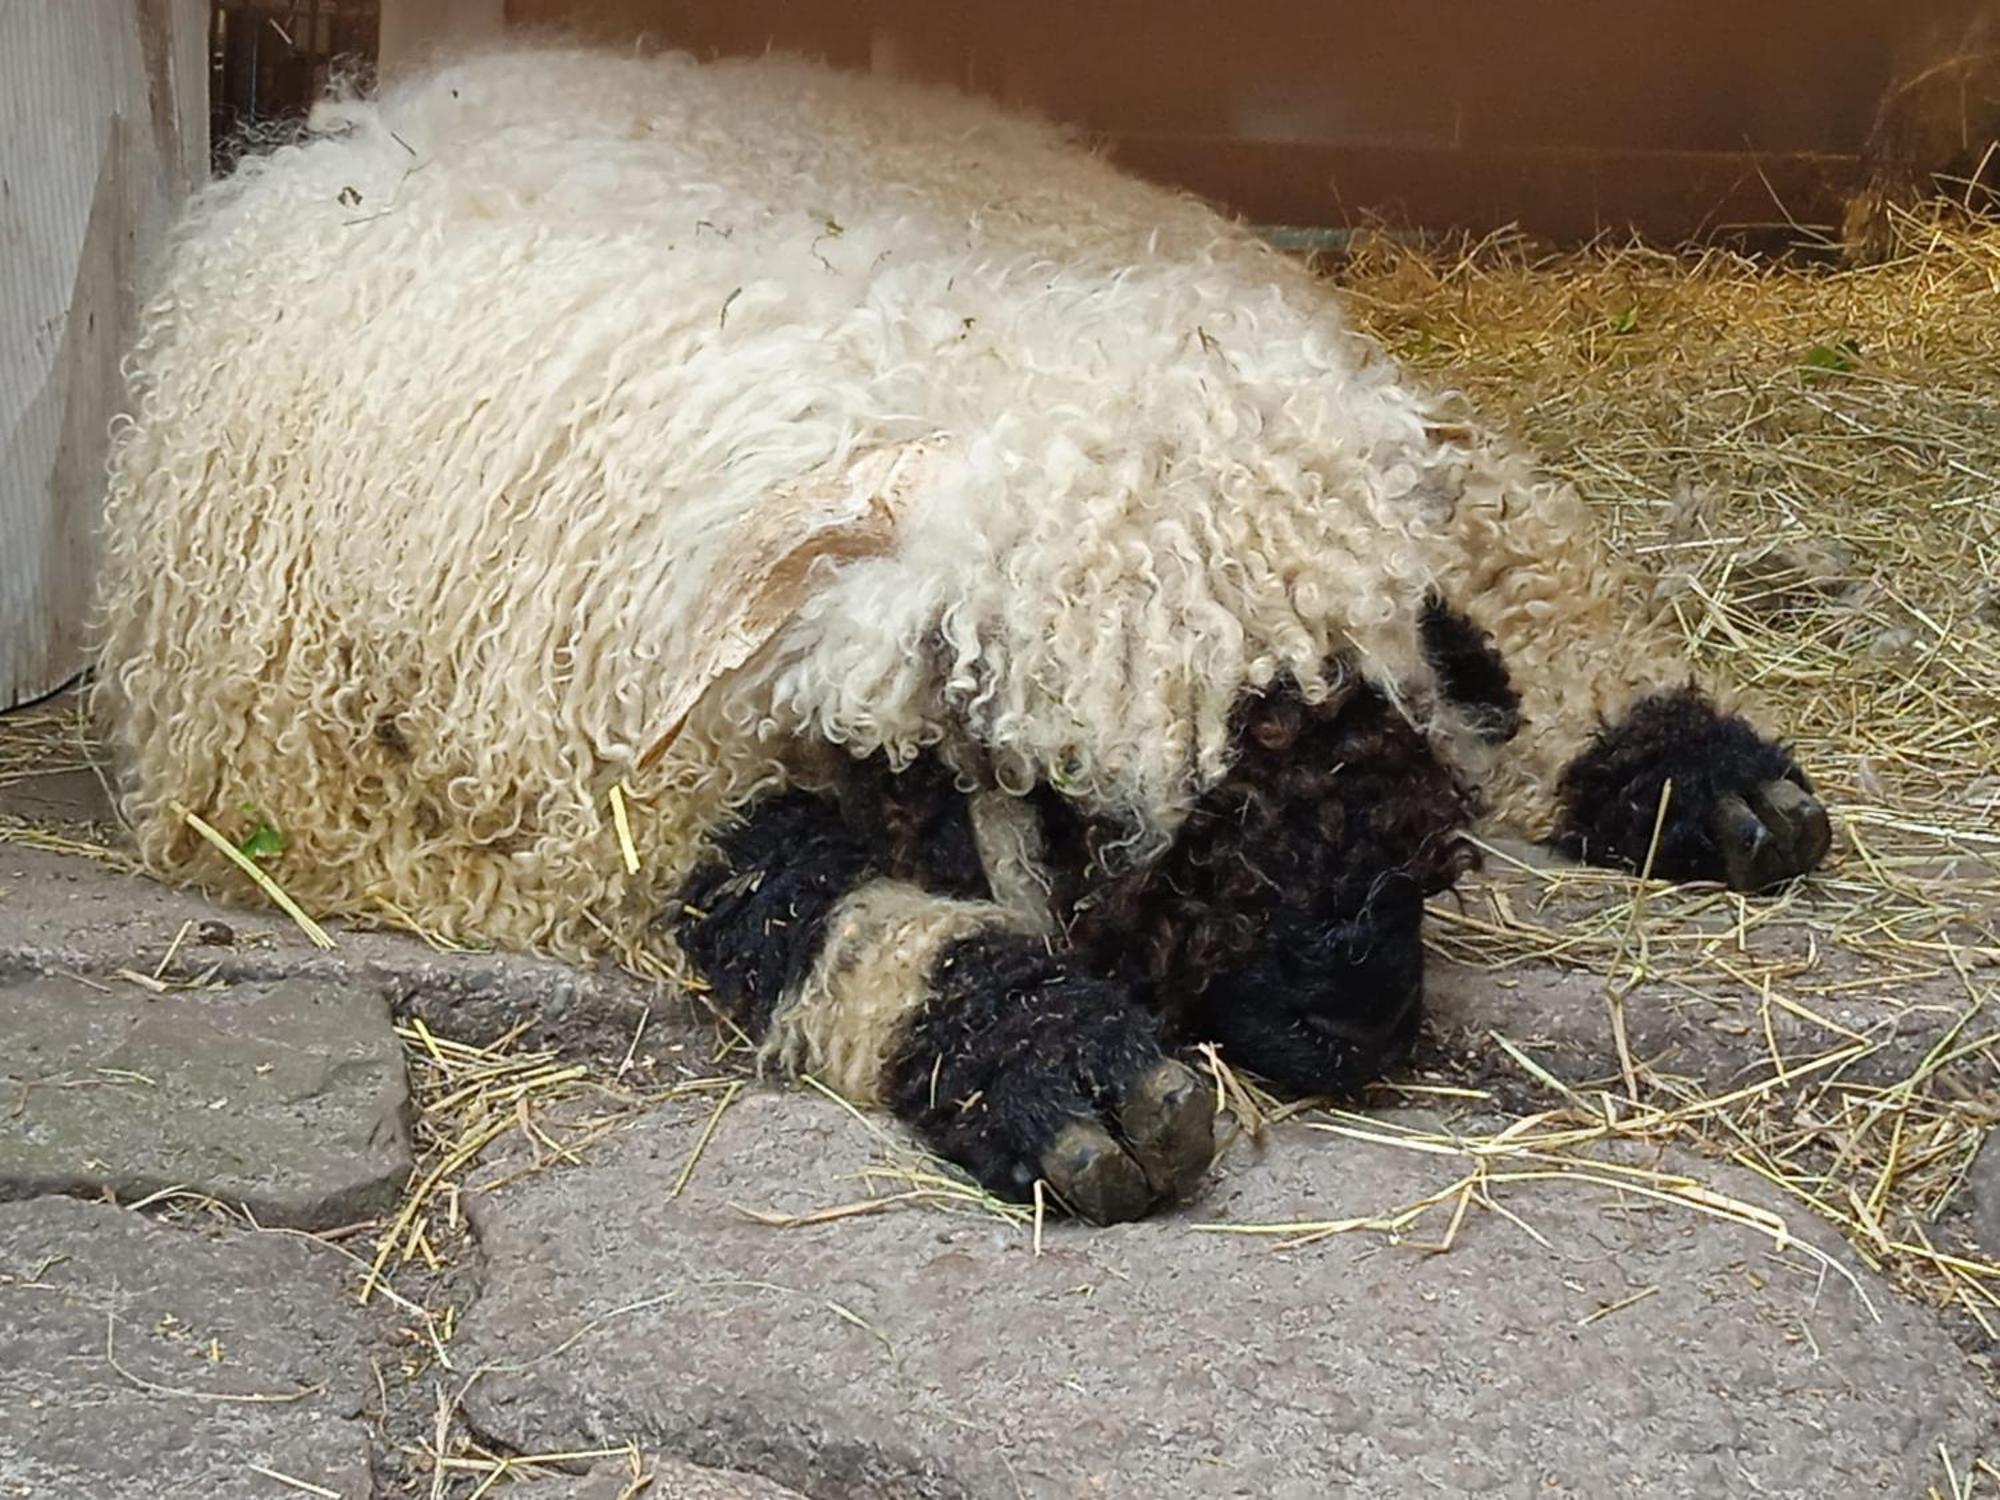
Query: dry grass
44	740
1809	460
47	740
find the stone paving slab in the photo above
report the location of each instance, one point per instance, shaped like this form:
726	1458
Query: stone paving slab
59	913
287	1098
656	1478
912	1353
1713	1030
70	801
1982	1194
1562	1018
233	1351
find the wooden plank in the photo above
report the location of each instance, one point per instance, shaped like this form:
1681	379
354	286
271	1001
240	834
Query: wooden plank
1692	75
1937	128
413	30
103	125
1567	116
1565	195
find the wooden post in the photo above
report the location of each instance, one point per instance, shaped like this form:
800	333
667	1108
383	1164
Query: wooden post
103	129
1937	128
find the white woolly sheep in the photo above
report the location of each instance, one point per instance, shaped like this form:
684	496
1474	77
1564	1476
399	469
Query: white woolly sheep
1023	624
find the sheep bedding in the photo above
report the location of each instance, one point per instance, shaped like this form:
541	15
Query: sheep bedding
1025	629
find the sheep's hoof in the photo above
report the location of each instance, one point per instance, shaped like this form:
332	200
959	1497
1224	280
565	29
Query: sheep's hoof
1169	1121
1778	832
1166	1138
1741	811
1095	1176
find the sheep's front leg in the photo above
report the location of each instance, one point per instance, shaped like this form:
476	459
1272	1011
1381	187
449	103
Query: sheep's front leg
1737	806
1606	712
1005	1058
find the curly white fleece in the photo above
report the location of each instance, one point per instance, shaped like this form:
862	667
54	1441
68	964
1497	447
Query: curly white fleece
449	421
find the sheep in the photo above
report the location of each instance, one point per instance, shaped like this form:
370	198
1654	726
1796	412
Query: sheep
986	620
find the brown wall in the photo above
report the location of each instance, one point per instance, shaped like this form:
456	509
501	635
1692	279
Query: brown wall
413	29
1674	116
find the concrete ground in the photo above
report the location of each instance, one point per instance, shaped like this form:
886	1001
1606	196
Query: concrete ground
387	1221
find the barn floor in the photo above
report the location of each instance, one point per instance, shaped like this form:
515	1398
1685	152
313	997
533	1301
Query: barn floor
1687	1196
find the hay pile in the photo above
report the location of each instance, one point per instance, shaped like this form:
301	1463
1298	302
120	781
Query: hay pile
40	744
1810	461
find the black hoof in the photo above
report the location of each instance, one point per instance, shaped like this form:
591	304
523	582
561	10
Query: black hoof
1168	1121
1095	1177
1021	1071
1778	832
1154	1149
1741	812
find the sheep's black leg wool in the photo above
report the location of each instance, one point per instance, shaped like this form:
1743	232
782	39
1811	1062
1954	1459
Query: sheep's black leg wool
917	821
1023	1067
1741	810
753	916
1010	1063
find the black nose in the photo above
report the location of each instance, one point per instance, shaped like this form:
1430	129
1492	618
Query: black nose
1376	1024
1323	1006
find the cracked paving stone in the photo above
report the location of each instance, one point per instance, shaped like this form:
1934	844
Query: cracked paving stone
64	915
140	1360
1599	1343
664	1478
1982	1193
288	1098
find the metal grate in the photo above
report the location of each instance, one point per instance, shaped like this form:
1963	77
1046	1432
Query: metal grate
270	59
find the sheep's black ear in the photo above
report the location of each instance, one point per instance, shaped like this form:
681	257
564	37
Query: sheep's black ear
1471	671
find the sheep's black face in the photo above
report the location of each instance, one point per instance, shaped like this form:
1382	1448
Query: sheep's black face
1284	922
1324	1003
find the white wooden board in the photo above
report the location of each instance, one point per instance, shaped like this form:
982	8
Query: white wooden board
103	127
